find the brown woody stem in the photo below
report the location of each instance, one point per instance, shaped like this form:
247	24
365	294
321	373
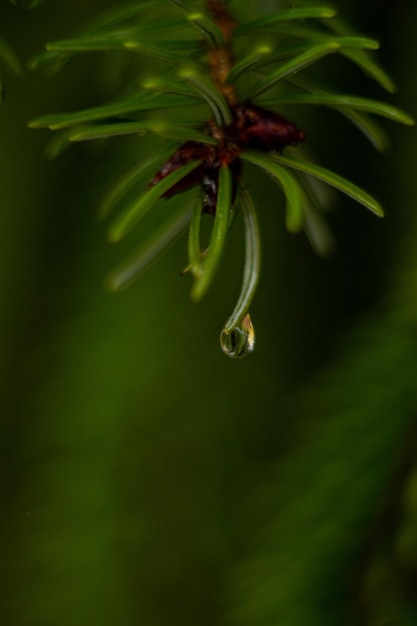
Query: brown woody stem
221	60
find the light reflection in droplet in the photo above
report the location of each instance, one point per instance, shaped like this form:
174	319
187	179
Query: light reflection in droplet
238	341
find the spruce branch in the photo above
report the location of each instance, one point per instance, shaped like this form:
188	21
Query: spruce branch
242	87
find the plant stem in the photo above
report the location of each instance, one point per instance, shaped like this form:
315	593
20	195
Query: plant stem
221	60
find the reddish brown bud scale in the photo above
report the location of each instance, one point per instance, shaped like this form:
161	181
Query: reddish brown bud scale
189	151
252	128
265	130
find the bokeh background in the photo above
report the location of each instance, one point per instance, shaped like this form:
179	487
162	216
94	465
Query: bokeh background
145	477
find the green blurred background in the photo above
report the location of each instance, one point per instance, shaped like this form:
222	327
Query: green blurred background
146	478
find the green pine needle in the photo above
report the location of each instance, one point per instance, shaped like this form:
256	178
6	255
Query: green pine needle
8	58
140	103
366	105
218	235
289	184
205	88
195	256
149	251
138	172
334	180
307	58
167	129
271	20
368	127
212	34
252	267
253	60
142	205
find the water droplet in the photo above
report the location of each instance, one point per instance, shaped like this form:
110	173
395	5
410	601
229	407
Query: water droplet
238	341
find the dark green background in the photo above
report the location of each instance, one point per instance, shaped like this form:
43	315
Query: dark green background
146	478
